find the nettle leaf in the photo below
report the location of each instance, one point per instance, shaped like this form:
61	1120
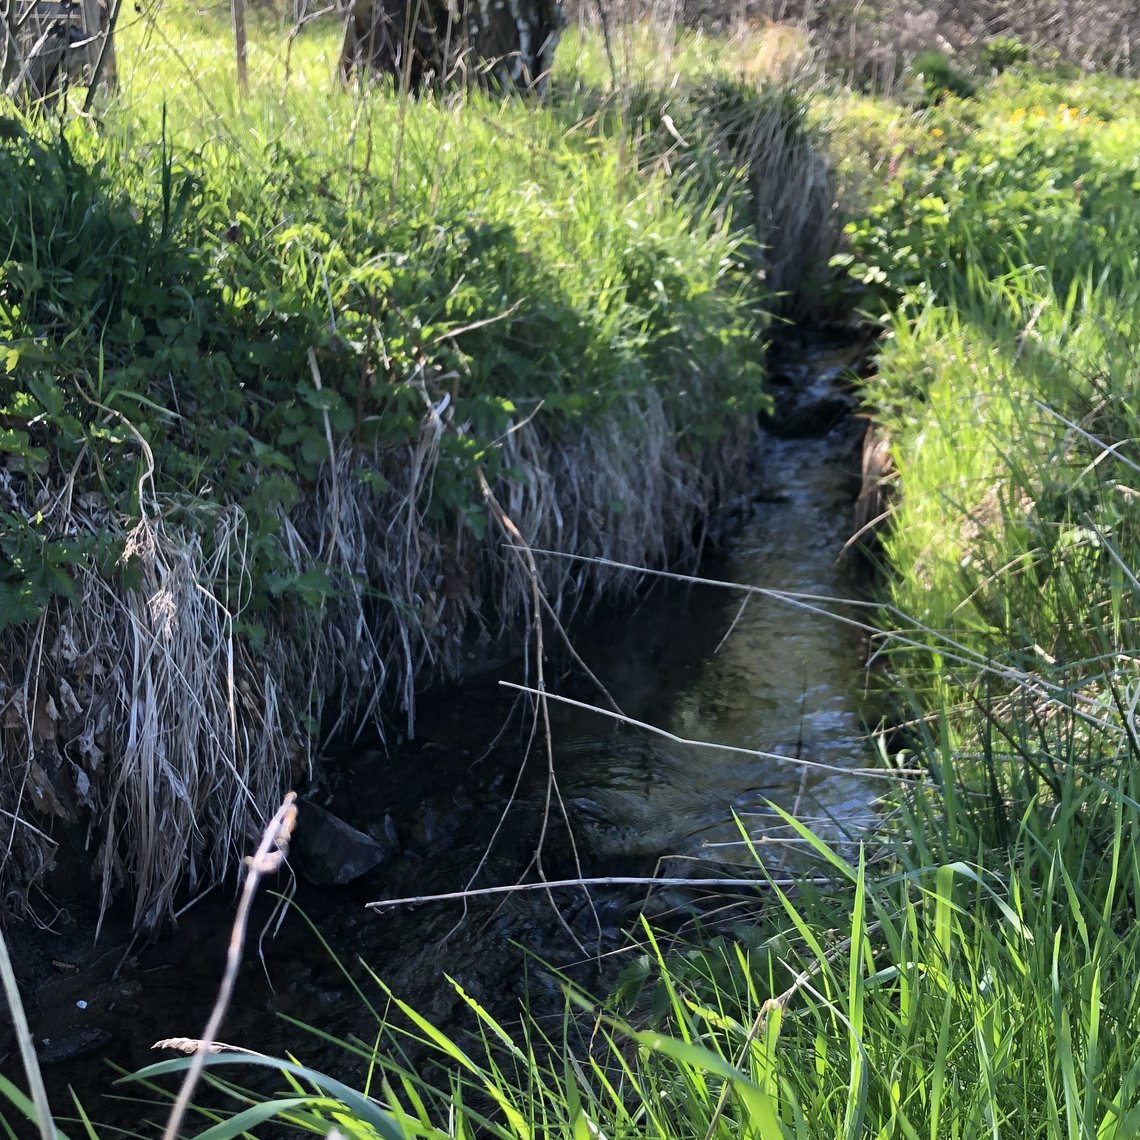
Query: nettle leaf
272	493
314	448
323	399
48	394
311	588
372	479
269	456
17	605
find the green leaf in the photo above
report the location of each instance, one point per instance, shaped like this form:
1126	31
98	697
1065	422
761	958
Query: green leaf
761	1107
252	1117
364	1109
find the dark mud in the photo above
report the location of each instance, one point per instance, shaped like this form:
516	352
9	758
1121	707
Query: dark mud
470	803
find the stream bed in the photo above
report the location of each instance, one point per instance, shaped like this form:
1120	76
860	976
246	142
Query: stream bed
469	802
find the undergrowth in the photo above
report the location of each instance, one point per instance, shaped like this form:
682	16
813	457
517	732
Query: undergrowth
976	977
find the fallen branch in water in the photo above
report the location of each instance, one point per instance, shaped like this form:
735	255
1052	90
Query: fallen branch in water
604	881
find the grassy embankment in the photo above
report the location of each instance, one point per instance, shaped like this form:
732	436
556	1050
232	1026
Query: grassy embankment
981	980
266	363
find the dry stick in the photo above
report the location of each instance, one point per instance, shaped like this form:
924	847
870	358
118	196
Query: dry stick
797	761
106	55
607	41
10	52
605	881
334	509
951	650
237	9
270	855
30	690
29	62
520	544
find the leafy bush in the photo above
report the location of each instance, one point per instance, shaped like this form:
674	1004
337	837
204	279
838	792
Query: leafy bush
1002	52
939	77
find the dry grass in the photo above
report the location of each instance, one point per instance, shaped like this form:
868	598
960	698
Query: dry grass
874	43
141	709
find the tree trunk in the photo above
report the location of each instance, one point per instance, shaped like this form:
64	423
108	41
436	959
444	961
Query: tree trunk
505	44
50	43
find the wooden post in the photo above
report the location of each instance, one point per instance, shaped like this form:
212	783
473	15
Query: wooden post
237	8
106	70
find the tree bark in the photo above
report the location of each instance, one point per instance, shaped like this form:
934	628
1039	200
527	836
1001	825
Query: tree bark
505	44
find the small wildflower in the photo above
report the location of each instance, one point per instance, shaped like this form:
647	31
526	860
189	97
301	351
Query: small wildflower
1017	115
937	132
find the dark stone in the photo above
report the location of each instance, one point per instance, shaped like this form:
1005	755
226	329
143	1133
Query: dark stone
808	413
81	1043
330	852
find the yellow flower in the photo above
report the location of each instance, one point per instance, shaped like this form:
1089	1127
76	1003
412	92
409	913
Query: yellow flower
1018	115
937	132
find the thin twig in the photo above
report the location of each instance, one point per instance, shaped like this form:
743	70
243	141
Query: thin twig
553	792
688	742
270	855
605	881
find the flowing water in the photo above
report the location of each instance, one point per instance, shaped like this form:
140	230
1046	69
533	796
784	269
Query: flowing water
470	801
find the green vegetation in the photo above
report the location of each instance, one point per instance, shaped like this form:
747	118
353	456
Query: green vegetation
267	363
972	972
977	977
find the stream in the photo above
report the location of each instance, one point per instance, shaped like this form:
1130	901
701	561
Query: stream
465	803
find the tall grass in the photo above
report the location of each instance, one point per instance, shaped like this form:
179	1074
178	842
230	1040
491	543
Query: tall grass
265	357
955	998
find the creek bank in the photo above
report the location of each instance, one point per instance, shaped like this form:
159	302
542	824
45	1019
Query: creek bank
784	681
288	513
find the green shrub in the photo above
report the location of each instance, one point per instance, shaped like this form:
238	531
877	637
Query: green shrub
1002	52
939	77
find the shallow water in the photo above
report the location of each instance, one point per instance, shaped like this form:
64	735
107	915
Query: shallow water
767	675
